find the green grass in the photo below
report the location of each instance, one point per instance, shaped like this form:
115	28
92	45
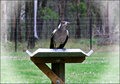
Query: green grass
101	67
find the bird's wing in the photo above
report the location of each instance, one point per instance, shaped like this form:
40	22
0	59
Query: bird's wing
54	31
52	41
67	33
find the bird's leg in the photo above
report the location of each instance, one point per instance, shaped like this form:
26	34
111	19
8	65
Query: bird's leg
64	49
61	48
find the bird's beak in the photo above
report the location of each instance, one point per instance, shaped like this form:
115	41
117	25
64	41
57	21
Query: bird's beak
68	22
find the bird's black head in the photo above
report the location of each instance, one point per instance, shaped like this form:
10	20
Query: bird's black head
64	23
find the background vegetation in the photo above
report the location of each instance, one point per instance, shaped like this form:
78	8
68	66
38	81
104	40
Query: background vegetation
17	34
101	16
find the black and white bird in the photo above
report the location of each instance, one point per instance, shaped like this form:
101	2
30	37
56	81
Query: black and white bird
59	36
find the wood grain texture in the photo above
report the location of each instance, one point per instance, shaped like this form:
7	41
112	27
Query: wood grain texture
49	73
58	66
58	59
59	70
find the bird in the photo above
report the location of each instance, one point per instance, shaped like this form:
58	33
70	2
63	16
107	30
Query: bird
59	36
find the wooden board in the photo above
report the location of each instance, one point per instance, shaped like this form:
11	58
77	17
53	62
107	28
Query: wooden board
58	60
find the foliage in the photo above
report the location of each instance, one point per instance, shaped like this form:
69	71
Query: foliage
81	7
48	13
72	7
94	41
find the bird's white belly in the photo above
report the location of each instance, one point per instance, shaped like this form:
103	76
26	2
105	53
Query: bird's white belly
60	38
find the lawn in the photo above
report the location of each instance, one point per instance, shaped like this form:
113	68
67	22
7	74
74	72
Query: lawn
101	67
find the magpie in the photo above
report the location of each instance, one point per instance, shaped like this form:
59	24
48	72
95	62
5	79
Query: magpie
59	36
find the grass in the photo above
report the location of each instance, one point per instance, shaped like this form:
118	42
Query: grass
101	67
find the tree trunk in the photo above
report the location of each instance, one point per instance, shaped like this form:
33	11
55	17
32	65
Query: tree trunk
15	29
12	30
78	29
18	23
62	10
65	11
31	38
26	21
40	19
88	18
47	28
107	20
4	21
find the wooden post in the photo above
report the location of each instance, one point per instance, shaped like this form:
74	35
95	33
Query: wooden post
46	70
59	70
57	74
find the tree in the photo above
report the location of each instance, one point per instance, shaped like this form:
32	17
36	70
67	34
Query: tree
88	17
18	22
78	29
26	20
31	38
66	14
107	20
12	20
11	30
62	10
15	21
40	15
4	21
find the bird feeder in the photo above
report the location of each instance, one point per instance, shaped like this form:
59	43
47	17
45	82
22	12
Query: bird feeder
58	58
